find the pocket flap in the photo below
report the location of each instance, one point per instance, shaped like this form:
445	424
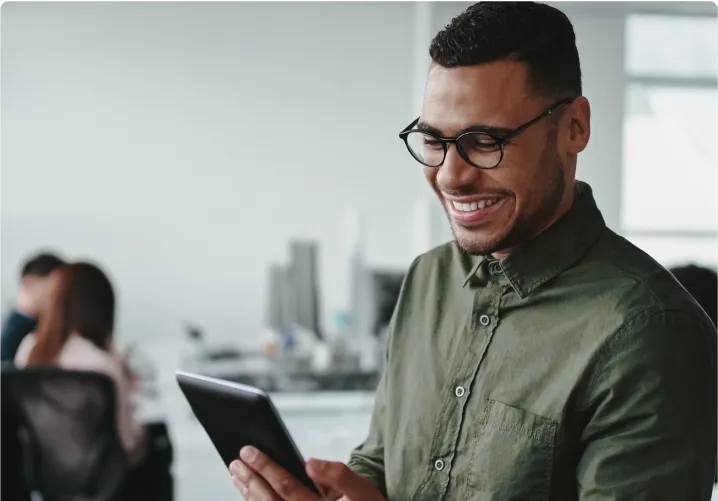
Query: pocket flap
509	419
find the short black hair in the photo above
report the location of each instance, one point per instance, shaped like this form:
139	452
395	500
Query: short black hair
702	284
41	265
535	33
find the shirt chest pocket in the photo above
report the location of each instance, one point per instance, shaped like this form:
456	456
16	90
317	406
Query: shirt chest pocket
511	456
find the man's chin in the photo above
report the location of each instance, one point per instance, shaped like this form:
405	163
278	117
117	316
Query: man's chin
475	242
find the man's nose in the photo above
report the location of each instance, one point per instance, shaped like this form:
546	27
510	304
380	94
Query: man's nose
456	173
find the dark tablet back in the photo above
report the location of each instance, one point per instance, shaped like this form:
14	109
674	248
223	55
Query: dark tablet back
236	415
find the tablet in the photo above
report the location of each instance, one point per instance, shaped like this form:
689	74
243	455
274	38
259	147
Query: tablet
235	415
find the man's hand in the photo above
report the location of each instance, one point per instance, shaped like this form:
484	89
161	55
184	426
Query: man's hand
260	479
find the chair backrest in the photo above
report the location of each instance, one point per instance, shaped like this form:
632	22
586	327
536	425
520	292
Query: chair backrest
70	441
12	479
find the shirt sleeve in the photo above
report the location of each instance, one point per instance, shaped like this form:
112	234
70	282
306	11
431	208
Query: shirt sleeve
367	460
14	329
651	413
132	433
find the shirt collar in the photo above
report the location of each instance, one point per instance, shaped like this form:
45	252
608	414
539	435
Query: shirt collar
552	252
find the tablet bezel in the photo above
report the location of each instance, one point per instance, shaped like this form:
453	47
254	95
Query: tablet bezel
213	385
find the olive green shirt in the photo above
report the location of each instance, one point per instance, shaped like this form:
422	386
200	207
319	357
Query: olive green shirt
575	369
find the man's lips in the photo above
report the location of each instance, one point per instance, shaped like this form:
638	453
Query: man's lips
469	211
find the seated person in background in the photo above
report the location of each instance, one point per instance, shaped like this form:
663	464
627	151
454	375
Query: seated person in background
75	332
702	284
22	319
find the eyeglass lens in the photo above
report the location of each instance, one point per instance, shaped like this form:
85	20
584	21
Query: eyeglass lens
479	149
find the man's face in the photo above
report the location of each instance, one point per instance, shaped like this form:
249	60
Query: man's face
534	181
34	292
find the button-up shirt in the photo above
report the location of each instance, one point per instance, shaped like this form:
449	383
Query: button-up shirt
577	368
14	329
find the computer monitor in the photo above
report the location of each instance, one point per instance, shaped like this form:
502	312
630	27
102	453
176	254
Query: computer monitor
305	273
281	303
385	289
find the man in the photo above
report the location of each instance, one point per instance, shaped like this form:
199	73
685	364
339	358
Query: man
22	319
540	356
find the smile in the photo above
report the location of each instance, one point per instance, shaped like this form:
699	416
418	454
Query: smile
473	206
470	212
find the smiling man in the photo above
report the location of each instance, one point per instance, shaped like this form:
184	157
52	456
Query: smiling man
539	356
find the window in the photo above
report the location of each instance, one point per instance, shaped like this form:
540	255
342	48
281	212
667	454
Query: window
673	47
670	155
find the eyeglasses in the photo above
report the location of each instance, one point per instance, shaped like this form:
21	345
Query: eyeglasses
483	150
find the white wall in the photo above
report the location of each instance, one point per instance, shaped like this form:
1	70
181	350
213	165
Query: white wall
599	39
183	144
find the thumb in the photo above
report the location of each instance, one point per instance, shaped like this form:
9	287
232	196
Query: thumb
341	479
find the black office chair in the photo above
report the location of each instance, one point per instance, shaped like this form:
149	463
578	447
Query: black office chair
70	445
12	480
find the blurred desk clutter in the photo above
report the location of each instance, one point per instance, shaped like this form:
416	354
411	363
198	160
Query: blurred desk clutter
295	353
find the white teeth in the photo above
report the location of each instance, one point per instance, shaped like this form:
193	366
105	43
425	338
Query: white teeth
481	204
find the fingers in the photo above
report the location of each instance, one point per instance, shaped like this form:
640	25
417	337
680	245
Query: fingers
267	480
341	479
251	485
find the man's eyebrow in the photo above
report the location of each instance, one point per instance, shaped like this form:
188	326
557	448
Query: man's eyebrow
425	127
487	129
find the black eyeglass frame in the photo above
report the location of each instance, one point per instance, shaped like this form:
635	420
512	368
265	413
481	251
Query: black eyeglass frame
500	140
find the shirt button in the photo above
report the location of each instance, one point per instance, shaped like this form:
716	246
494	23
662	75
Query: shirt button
484	320
439	465
459	391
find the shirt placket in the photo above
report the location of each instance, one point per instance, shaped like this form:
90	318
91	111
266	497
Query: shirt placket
465	365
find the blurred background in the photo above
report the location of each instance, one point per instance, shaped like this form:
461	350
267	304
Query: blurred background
236	169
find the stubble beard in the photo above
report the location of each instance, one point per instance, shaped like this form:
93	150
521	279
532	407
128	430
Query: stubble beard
522	228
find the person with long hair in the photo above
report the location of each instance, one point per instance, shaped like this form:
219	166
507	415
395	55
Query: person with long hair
75	332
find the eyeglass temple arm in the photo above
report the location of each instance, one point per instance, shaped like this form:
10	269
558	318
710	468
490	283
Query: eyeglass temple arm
528	124
409	127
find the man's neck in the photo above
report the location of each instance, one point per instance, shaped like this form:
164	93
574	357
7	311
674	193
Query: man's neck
564	207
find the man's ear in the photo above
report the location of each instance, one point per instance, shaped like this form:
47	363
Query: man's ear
579	125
